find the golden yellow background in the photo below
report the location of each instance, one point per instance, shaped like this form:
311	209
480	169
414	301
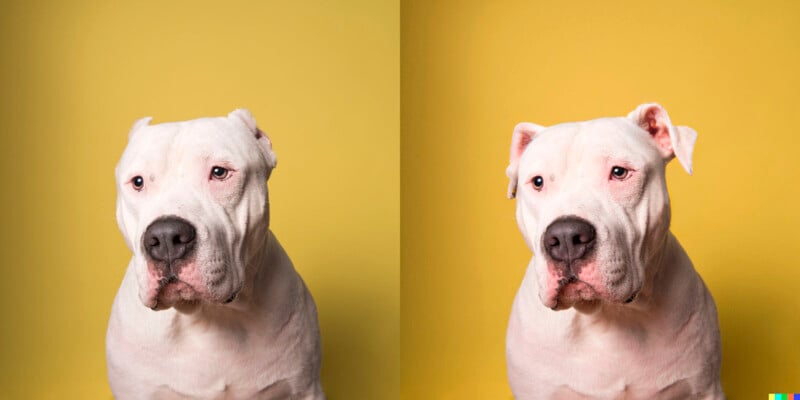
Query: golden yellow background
322	79
472	69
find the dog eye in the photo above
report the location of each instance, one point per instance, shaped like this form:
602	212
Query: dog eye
138	182
538	182
219	173
619	173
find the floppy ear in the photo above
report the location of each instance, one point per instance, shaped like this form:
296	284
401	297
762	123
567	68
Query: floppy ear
139	124
672	141
523	134
243	115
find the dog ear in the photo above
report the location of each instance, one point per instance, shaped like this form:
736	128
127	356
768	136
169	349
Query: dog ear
522	136
672	141
139	124
243	115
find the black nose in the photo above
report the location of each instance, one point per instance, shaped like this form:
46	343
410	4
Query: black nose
169	238
568	239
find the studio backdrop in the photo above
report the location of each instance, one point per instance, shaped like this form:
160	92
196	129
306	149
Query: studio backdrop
474	69
391	122
322	80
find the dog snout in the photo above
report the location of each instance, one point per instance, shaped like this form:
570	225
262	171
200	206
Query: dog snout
568	239
169	239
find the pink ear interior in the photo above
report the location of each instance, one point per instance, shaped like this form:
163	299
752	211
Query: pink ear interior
520	143
671	141
655	121
521	138
523	134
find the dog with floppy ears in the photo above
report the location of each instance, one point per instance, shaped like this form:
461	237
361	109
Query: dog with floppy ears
610	307
210	306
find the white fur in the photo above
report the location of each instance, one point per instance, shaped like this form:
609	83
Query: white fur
262	345
665	343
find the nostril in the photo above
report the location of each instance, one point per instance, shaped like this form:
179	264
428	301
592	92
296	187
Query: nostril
581	239
152	241
553	241
183	238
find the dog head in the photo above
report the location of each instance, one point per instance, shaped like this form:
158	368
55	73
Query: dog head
592	202
192	205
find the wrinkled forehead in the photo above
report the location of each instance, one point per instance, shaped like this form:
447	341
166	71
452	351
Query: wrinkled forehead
574	143
217	139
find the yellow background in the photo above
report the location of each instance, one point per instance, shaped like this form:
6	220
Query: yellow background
472	69
321	78
324	80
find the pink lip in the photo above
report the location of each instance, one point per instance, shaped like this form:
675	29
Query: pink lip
566	295
177	290
578	289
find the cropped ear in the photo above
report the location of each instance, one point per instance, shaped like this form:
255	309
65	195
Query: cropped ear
139	124
522	136
672	141
243	115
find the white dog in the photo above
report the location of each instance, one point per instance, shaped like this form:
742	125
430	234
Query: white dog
610	306
210	306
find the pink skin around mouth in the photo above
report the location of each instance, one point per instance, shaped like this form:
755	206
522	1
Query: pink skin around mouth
178	290
186	286
560	294
576	291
